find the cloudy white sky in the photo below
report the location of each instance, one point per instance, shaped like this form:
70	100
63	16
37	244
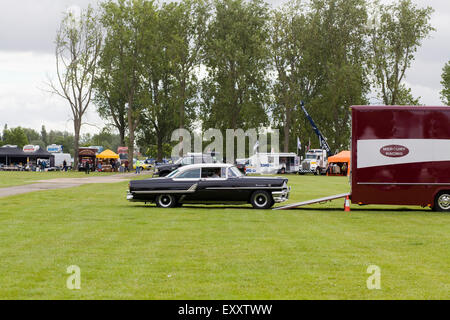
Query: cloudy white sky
27	32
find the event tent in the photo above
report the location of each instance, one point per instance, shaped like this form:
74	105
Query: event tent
41	154
343	156
340	158
10	155
108	154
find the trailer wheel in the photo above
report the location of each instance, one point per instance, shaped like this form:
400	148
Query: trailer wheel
261	200
283	170
166	201
442	202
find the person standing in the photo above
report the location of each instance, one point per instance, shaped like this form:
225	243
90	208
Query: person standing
64	165
138	164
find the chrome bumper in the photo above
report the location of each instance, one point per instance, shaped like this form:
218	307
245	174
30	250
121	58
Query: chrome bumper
130	196
281	196
306	171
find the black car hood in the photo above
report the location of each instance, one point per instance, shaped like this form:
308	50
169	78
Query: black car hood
170	166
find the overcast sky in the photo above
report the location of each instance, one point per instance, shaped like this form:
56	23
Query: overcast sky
27	32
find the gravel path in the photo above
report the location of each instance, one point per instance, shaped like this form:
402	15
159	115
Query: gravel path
62	183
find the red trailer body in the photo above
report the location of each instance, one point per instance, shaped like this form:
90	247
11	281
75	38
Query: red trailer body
400	154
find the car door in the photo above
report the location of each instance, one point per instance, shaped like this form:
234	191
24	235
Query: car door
239	190
213	185
187	180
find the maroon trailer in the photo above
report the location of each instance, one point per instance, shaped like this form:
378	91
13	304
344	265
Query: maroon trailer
400	155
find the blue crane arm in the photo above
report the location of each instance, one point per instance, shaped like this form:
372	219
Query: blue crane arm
323	142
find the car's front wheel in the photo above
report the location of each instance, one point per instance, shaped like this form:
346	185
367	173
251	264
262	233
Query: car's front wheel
261	200
442	202
166	201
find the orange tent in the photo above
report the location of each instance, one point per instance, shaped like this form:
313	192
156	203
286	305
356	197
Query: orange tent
341	157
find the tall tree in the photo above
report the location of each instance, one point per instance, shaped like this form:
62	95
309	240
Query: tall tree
126	23
15	136
188	21
445	93
318	56
44	135
397	31
78	43
160	91
109	95
236	57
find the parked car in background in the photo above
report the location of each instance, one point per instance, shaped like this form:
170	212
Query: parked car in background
164	169
144	164
209	183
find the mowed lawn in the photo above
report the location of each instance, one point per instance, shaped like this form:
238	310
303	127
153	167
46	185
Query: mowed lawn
136	251
16	178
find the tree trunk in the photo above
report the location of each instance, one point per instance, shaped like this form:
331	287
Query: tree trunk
131	127
287	125
122	136
181	110
159	147
76	145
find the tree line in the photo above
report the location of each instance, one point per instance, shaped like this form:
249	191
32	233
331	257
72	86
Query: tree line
26	136
151	67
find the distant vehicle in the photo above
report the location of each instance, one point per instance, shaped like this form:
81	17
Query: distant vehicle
273	163
123	155
55	148
31	148
316	161
209	183
60	157
145	165
164	169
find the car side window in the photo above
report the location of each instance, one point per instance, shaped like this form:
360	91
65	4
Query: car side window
189	174
213	173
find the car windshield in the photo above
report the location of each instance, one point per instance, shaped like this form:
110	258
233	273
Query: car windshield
234	172
311	156
173	173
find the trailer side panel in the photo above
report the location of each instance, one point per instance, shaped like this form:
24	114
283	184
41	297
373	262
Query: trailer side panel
400	154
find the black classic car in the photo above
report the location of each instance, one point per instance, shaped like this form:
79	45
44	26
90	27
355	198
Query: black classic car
163	170
209	183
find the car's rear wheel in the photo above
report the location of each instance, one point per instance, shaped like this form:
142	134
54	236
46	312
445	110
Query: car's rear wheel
261	200
166	201
442	201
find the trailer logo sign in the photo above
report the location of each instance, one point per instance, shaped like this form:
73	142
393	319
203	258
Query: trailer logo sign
394	151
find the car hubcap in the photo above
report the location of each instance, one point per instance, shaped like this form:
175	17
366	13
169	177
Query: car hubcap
261	200
165	201
444	201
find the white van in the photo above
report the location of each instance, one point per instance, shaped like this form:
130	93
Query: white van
273	163
60	157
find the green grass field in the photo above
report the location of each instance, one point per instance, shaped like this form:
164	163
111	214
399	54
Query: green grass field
133	251
15	178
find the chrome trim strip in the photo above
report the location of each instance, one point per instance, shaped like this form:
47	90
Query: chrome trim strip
245	188
163	191
406	183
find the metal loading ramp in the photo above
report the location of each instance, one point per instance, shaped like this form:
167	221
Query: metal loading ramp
319	200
